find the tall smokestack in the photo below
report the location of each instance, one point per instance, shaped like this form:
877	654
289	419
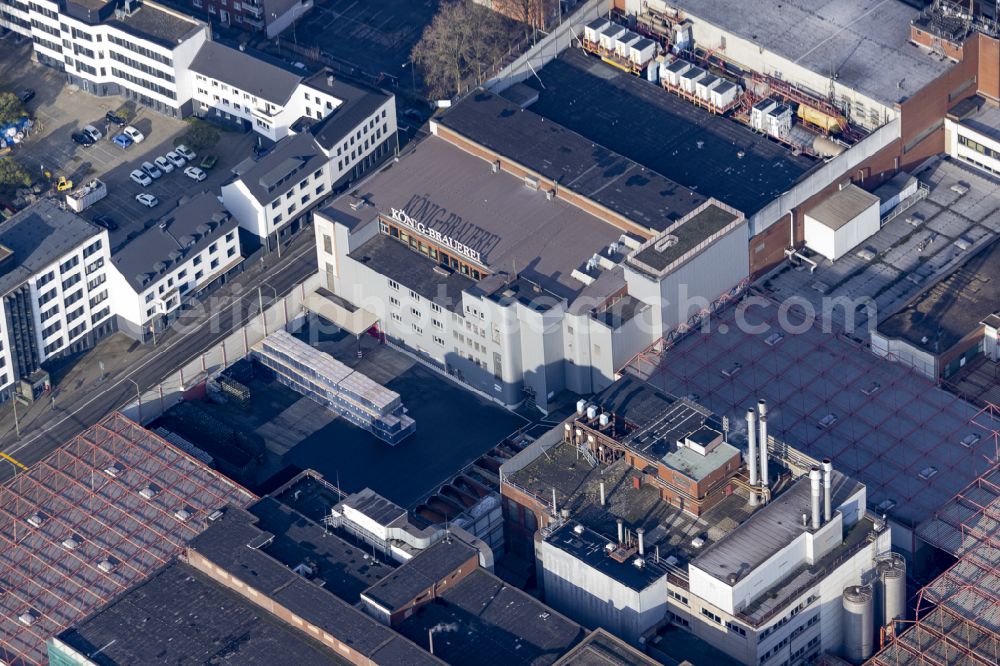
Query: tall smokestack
814	481
752	445
602	494
762	409
555	512
621	532
827	489
642	546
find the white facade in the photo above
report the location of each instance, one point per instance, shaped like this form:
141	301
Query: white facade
971	147
106	60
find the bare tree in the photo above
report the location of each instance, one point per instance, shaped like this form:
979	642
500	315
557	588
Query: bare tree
463	41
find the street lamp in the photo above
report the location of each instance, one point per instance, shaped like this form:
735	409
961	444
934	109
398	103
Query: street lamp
138	395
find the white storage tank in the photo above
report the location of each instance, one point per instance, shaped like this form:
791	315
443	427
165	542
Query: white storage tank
702	86
609	36
723	93
690	78
624	44
642	51
858	623
672	72
758	114
892	577
592	31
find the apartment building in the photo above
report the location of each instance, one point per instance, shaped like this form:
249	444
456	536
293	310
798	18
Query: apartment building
192	248
139	51
271	192
53	269
270	17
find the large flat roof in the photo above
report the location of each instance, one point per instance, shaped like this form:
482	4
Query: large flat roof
179	616
945	313
37	236
985	120
866	43
420	573
711	154
890	423
74	497
571	160
512	227
483	620
157	23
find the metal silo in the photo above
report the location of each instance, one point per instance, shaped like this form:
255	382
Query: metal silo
892	576
858	622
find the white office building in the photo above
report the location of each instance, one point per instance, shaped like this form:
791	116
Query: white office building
972	134
269	194
141	51
53	268
191	249
519	288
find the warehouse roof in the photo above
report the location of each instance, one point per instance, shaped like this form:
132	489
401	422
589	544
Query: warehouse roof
842	206
867	42
571	161
247	72
481	620
708	153
942	315
114	479
37	236
179	615
514	228
196	223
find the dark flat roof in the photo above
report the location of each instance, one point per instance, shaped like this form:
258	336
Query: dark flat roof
571	160
37	236
183	232
427	568
157	23
180	616
488	622
513	227
394	260
665	133
687	234
246	71
589	547
944	314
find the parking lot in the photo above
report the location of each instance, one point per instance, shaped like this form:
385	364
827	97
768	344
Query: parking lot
375	38
59	110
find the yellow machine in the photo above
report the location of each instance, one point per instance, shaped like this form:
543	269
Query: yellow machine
824	121
63	184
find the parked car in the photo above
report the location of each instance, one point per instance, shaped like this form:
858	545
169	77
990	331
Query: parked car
93	132
115	119
133	134
84	140
176	159
26	95
122	141
147	200
106	222
141	178
165	165
208	162
195	173
151	170
185	152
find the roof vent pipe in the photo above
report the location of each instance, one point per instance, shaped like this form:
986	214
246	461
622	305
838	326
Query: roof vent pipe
752	445
762	409
814	482
827	489
602	494
621	532
642	546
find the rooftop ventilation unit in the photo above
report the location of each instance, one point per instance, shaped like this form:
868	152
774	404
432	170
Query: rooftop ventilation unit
970	440
667	241
36	520
147	492
495	166
182	515
531	183
27	619
106	565
215	515
70	543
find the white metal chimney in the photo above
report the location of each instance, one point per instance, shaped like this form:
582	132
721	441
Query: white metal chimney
752	454
814	481
762	410
827	489
602	494
642	546
621	532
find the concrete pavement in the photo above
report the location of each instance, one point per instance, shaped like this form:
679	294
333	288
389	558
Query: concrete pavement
82	397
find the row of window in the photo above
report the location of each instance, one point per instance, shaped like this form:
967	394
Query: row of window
149	85
442	257
370	125
978	147
142	67
141	50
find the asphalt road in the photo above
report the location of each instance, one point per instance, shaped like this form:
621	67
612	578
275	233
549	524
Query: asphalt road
78	408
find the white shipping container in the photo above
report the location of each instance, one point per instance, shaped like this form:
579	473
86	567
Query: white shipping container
758	114
672	72
624	43
642	51
592	31
690	78
723	93
703	84
609	36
